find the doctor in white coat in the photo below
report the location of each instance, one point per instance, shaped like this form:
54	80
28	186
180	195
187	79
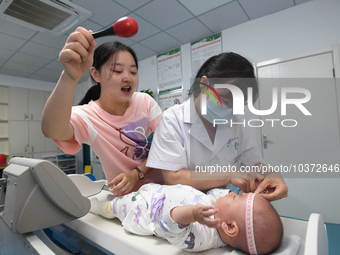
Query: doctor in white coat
191	150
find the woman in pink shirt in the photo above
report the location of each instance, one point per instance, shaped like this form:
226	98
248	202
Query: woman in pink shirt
117	122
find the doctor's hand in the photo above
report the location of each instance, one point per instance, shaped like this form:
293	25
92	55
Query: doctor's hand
123	183
275	186
246	181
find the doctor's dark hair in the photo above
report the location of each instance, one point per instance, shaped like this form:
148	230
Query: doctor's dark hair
101	55
227	67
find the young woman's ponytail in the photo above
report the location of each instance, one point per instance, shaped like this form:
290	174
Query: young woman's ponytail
92	94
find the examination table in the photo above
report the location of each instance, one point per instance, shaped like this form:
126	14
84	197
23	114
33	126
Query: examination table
36	195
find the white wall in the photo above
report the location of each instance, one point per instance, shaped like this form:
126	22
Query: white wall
305	27
147	76
308	26
12	81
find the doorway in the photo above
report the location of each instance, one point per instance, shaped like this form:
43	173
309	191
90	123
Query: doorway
307	147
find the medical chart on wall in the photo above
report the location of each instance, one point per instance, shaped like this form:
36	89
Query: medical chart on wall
167	100
203	49
169	71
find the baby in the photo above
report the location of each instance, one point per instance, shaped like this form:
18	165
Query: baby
194	221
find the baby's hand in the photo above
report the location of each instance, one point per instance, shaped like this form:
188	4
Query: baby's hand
202	215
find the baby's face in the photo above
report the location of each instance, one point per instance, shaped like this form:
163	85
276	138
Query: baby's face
232	205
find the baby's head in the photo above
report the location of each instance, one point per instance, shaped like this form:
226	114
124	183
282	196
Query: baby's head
248	218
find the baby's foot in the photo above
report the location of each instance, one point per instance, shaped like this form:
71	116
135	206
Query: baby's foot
103	208
93	201
109	197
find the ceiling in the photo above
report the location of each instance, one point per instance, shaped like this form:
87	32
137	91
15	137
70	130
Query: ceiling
163	25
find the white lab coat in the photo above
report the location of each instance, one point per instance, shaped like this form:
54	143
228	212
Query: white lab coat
182	142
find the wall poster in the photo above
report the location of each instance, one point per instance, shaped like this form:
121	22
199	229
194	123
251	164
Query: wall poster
203	49
169	70
167	100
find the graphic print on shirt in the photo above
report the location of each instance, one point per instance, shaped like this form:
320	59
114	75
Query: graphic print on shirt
233	142
137	132
196	199
163	224
190	241
137	215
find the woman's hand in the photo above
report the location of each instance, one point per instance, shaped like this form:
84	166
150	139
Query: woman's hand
275	185
77	54
202	215
246	181
124	183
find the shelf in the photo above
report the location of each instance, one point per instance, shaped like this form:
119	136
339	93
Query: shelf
66	162
69	171
60	156
63	160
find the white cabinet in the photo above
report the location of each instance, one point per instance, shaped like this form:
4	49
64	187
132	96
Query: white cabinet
17	103
35	137
25	137
25	104
4	137
18	138
36	103
3	120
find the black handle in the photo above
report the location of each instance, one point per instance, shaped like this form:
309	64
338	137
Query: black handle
106	32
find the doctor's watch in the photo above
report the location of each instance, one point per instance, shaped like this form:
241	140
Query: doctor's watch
140	173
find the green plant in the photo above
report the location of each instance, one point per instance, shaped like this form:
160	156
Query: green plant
147	91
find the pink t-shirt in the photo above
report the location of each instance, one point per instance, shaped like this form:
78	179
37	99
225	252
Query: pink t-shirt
121	142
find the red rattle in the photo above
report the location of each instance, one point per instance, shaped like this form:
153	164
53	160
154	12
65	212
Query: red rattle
124	27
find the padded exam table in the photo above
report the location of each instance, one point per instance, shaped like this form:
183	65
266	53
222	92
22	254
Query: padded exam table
36	195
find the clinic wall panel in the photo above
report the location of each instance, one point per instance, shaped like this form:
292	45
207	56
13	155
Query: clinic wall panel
147	76
305	27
